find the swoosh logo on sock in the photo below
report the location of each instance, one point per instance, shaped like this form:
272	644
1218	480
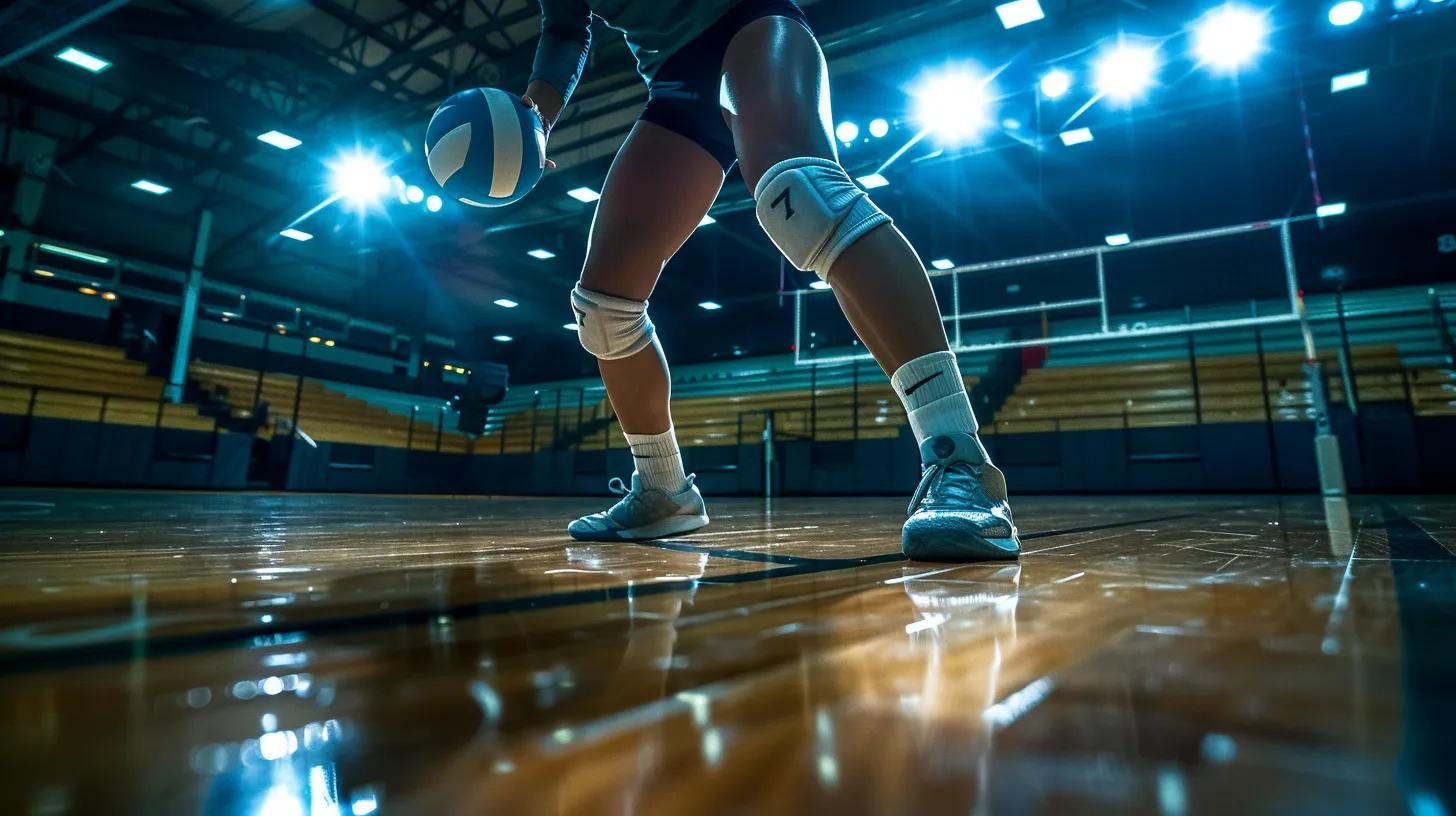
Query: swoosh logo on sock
916	387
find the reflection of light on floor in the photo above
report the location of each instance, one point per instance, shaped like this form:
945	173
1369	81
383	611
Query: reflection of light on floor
930	622
1018	703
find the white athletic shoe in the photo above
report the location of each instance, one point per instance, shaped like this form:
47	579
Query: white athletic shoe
643	514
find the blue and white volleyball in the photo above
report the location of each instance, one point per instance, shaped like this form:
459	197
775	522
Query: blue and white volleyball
485	148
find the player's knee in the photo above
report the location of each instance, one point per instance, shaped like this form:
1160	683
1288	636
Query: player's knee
608	326
813	211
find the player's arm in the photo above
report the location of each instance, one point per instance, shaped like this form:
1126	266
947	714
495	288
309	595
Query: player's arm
560	57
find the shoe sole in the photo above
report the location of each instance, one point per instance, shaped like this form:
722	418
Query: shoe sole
959	546
671	526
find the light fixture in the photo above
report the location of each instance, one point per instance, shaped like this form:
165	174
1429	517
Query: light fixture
108	296
84	60
329	343
1330	210
954	106
506	303
1120	239
43	273
413	194
706	220
1346	12
570	327
315	339
942	263
879	128
846	132
1076	136
585	195
542	254
1019	12
872	180
296	234
819	284
85	290
434	203
710	306
1354	79
1125	71
279	139
149	186
503	338
1229	37
74	253
1055	83
358	179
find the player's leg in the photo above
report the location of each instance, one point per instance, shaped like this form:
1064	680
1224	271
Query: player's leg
777	94
658	188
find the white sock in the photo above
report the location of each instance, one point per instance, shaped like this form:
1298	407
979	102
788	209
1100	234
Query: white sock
935	396
658	460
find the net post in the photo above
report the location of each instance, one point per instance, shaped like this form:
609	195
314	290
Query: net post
955	298
1102	289
1326	444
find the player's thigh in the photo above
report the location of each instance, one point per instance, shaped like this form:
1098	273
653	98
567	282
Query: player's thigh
777	92
659	187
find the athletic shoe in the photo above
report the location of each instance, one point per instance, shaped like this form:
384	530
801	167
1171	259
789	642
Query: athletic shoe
643	514
959	512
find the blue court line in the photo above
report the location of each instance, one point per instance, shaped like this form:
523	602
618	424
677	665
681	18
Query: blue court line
19	662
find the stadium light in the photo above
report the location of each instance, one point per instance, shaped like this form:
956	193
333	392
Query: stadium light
943	264
1120	239
1124	72
585	195
542	254
879	128
75	253
819	284
359	179
1354	79
954	106
279	139
706	220
710	306
503	338
83	60
1404	5
1331	210
1346	12
846	132
413	194
149	186
1229	37
1019	12
506	303
1076	136
297	234
434	203
873	180
1055	83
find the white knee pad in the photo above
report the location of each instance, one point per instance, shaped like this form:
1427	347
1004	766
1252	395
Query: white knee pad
813	212
610	327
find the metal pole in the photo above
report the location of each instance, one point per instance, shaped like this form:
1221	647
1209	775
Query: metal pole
188	318
1326	444
768	455
1102	288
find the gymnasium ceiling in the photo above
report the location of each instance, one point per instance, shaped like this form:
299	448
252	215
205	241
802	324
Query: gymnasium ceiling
193	82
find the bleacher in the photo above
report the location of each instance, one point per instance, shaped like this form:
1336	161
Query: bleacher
324	414
68	379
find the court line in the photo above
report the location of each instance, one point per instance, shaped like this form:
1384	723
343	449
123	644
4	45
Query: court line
23	662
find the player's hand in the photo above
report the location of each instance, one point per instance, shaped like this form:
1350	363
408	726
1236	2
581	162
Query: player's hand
547	102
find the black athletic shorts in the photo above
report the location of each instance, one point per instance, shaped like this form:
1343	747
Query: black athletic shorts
683	96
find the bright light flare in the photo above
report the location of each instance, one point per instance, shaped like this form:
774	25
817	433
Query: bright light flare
879	128
955	106
1346	12
1230	37
1126	71
359	179
1055	83
846	132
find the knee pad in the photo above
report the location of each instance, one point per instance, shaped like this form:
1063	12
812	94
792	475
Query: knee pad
610	327
813	212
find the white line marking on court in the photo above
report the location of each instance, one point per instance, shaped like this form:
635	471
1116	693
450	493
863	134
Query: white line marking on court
754	530
1071	544
1069	578
905	578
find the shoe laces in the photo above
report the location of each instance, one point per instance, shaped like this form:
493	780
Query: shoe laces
617	486
933	477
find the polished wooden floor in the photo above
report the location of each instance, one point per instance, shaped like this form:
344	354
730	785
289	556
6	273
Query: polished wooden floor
174	653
